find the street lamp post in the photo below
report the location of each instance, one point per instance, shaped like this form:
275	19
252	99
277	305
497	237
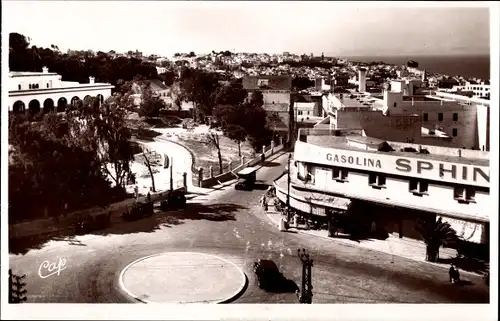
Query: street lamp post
307	263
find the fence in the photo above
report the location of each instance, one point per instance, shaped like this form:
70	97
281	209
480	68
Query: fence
199	181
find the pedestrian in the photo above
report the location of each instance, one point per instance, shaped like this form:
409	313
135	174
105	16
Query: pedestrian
265	206
149	197
453	274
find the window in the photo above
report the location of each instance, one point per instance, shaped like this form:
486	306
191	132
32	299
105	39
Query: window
455	116
30	86
418	187
300	112
19	87
377	180
426	116
263	82
464	194
440	116
339	174
47	85
395	104
455	132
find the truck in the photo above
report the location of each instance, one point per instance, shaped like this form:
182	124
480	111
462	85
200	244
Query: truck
246	179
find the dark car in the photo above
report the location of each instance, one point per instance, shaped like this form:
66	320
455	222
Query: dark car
243	185
138	211
93	223
268	274
175	200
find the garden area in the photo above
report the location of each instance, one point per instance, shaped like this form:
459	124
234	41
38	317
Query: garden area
206	155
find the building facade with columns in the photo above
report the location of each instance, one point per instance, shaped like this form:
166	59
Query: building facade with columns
45	91
404	183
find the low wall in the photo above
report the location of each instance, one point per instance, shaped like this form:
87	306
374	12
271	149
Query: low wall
65	222
209	182
176	113
227	176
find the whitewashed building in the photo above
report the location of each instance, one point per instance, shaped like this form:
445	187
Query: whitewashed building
344	165
45	91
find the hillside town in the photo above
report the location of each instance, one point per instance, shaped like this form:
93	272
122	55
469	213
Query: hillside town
175	171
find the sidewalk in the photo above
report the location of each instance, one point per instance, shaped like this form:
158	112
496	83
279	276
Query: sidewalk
402	247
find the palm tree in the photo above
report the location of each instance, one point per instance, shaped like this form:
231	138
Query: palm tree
435	234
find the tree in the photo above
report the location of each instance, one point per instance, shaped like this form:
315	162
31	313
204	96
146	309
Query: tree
150	104
435	234
148	165
274	118
257	99
232	94
78	65
255	124
112	137
212	139
199	87
301	83
230	113
57	169
236	133
168	77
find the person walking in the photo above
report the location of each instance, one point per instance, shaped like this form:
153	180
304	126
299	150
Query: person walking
136	192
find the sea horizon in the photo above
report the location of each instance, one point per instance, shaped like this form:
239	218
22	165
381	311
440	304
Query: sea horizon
469	66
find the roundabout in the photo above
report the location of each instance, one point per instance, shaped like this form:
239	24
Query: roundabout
182	277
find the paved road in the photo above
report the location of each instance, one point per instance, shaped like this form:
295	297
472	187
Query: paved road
181	164
230	224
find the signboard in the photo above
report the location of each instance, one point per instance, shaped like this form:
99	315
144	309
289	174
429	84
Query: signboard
417	167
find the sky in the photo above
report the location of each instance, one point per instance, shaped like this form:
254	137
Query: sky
332	28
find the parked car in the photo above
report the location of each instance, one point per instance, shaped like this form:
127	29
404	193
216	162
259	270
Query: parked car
268	274
138	211
175	200
93	223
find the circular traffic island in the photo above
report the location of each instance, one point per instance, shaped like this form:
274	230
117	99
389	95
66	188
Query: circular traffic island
182	277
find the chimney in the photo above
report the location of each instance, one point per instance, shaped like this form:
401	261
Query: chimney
91	80
45	70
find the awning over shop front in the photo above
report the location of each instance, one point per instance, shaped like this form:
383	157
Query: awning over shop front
310	202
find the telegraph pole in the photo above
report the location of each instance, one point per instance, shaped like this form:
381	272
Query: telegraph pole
306	290
288	189
171	173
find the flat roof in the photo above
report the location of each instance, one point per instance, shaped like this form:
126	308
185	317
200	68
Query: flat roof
354	103
247	171
364	139
341	142
30	73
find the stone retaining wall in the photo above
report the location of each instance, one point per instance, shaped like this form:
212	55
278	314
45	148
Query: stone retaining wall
54	224
227	176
